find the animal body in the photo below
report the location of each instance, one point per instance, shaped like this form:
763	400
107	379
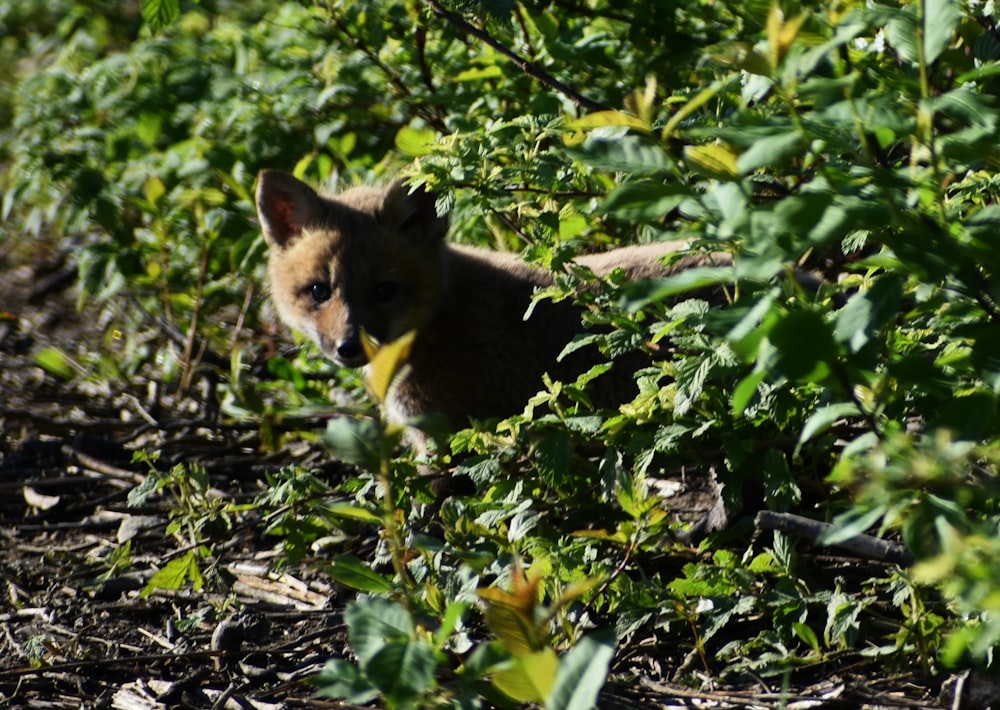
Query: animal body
376	259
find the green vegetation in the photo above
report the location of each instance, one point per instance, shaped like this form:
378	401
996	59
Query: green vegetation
854	140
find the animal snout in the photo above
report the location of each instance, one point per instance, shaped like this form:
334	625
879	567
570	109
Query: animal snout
350	352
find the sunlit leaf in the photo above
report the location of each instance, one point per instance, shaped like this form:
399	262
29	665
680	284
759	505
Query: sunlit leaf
160	13
386	363
56	362
352	572
528	678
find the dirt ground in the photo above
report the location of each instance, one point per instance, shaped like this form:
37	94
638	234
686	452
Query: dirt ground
75	631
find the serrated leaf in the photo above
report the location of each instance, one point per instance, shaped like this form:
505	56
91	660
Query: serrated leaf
176	574
160	13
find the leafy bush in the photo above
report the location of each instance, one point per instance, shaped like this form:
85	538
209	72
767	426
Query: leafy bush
842	152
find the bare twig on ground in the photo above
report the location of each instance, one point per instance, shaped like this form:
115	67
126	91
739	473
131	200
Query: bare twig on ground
869	547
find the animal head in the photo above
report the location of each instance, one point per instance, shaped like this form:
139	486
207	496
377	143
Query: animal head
367	259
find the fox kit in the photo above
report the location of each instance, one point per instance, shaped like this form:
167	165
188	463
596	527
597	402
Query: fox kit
376	259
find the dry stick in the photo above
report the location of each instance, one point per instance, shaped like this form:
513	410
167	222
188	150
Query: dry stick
528	67
869	547
89	462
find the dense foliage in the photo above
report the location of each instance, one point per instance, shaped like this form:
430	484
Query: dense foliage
843	152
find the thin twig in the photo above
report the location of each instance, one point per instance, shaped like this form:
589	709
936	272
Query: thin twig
528	67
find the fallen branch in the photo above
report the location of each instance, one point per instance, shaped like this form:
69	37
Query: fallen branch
865	545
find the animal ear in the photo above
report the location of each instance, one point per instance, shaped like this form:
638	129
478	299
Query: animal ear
414	211
284	206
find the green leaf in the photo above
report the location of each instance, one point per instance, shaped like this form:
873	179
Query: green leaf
416	142
353	512
553	455
55	362
340	679
160	13
176	574
402	670
628	153
528	679
804	347
639	294
582	673
771	151
850	524
352	572
644	201
867	312
386	363
823	418
452	614
357	441
902	33
745	390
372	623
941	19
806	633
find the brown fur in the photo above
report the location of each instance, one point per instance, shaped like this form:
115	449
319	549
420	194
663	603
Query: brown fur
475	356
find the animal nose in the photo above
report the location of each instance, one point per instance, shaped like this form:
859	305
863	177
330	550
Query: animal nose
350	348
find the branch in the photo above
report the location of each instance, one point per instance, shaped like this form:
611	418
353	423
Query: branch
528	67
871	548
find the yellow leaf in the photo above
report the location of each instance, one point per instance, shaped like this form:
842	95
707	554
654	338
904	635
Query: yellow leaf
415	141
529	679
154	190
578	589
386	363
715	160
781	34
600	119
702	98
511	615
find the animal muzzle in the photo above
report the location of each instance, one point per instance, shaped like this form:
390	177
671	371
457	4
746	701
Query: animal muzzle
346	351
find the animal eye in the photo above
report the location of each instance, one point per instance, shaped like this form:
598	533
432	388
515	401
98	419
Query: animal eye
385	291
319	292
